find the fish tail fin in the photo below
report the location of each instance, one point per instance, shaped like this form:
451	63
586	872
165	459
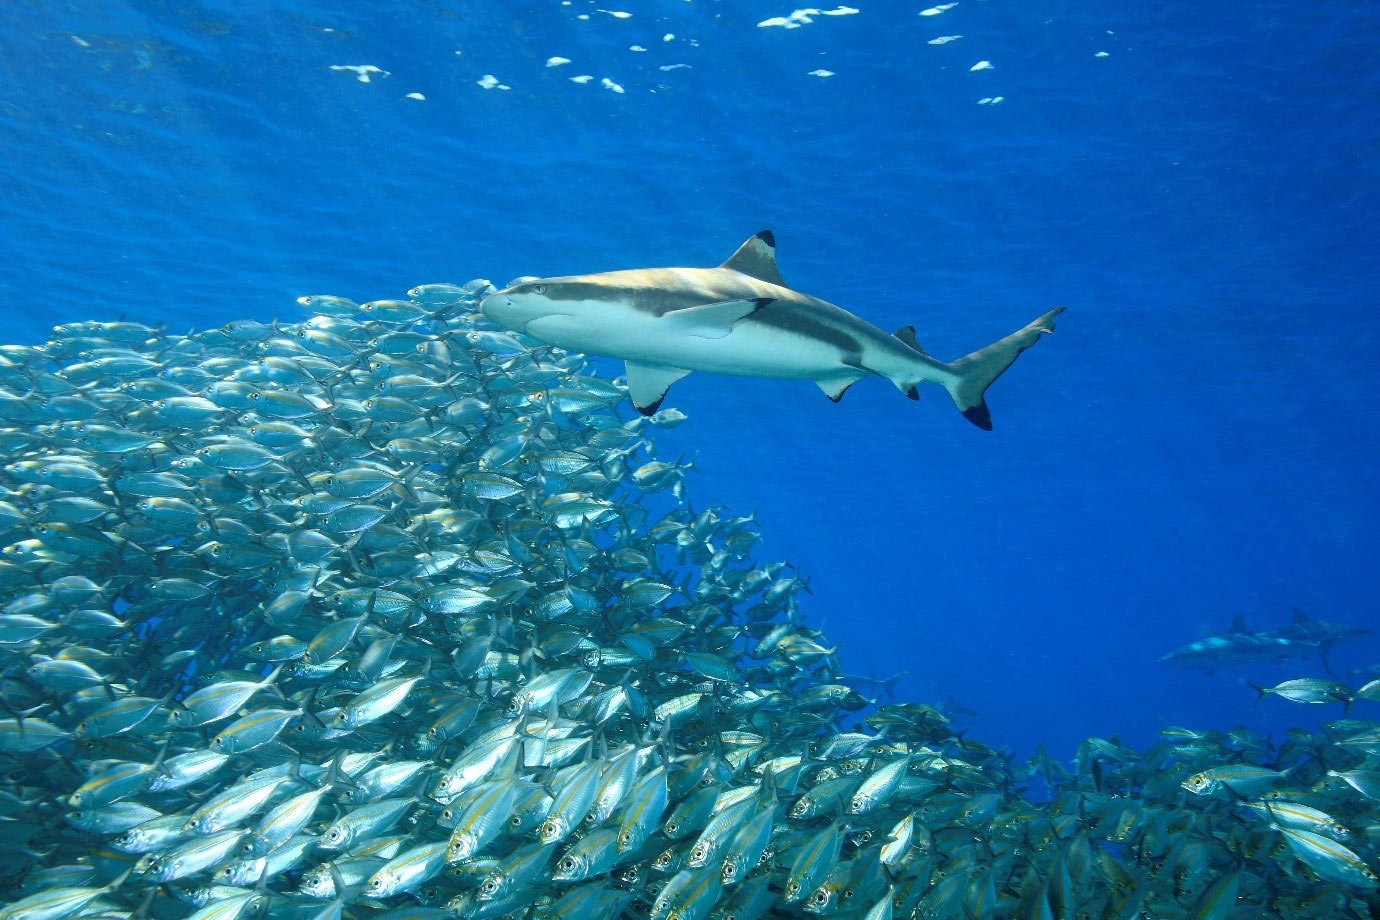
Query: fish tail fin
974	373
1259	691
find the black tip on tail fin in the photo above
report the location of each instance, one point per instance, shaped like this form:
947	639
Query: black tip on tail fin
979	415
975	372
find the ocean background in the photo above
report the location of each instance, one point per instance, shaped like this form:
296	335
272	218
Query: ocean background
1197	183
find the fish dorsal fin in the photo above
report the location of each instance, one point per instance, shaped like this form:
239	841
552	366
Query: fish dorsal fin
1238	625
1300	616
907	334
648	383
757	258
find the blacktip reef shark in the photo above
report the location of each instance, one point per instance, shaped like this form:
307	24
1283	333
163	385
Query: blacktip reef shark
740	318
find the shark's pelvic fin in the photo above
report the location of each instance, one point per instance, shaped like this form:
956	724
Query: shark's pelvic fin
648	383
835	387
714	320
757	257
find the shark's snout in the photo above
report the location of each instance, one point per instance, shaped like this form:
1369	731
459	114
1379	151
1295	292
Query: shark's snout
496	301
499	308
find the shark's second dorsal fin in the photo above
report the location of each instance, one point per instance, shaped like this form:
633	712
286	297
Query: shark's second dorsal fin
907	334
757	258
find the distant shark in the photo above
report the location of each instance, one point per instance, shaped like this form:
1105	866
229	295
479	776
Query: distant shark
1238	645
740	318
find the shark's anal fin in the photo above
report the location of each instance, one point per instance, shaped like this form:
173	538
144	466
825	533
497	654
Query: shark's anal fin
713	320
648	383
757	258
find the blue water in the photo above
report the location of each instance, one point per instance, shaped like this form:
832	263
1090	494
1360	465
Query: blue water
1196	441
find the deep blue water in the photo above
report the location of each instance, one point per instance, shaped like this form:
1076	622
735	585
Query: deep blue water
1196	441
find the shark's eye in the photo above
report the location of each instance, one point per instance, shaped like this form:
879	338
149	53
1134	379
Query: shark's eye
538	289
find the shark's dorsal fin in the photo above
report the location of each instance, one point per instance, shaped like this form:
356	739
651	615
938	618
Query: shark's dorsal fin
907	334
648	383
1238	625
757	258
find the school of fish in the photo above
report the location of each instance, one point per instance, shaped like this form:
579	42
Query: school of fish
392	614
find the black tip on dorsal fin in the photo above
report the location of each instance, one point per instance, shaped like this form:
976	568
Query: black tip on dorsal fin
757	258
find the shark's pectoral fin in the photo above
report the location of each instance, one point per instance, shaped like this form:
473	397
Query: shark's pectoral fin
713	320
648	383
835	387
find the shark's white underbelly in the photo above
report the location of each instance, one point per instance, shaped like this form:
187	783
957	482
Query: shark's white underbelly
751	349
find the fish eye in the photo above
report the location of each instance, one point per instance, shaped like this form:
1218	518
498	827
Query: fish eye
538	289
253	394
792	888
821	898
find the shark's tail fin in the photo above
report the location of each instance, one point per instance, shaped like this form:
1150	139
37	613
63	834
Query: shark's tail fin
975	372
